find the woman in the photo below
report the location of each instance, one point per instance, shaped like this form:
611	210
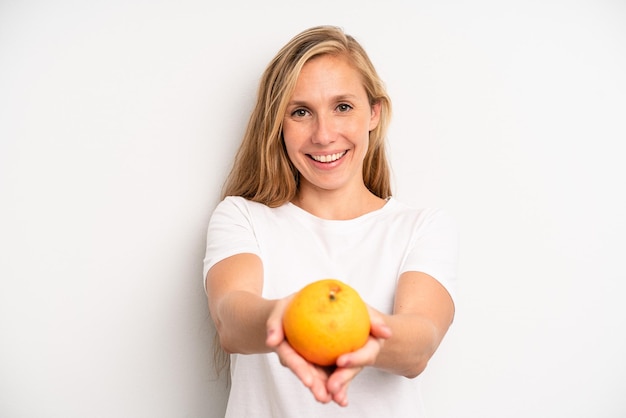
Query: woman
309	197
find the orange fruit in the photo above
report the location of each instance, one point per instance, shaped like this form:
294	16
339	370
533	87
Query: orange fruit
326	319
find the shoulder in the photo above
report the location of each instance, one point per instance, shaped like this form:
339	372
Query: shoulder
422	216
240	209
435	226
239	204
235	202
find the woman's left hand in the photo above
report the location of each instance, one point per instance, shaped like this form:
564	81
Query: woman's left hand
349	365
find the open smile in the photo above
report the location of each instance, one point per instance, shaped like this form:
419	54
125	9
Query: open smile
328	158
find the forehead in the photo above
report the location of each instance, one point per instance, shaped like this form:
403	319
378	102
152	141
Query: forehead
328	72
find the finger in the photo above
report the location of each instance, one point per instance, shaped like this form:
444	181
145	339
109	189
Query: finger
378	327
341	377
311	376
338	384
341	397
380	330
274	324
294	362
364	356
319	389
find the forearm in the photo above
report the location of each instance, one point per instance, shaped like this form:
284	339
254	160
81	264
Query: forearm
414	339
241	319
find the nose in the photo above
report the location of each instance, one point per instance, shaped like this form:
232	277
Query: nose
324	131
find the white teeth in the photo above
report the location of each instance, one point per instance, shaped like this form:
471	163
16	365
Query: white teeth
328	158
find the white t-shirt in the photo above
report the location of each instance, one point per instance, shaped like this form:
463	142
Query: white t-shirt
369	253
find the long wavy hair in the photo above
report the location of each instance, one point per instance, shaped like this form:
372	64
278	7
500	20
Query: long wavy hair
262	171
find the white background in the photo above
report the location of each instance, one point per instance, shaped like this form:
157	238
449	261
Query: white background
119	120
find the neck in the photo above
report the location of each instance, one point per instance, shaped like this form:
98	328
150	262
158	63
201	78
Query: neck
338	205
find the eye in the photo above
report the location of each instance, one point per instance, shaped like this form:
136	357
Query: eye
299	113
344	107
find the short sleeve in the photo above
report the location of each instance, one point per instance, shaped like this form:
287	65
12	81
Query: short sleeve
435	249
230	232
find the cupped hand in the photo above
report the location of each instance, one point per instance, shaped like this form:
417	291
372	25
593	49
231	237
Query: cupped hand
311	375
350	365
326	384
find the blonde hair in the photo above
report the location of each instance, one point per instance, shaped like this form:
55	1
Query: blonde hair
262	171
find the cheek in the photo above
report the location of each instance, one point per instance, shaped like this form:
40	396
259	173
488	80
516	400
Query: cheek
288	132
292	137
287	140
290	146
360	136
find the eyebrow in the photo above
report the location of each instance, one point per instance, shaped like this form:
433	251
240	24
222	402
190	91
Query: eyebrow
338	98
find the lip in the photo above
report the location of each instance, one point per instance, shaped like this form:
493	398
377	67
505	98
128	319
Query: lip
329	157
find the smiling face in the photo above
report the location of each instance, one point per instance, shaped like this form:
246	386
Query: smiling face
326	126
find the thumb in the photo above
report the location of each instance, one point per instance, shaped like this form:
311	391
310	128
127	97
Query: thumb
378	326
274	324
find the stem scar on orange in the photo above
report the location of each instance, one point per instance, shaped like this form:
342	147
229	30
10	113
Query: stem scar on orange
326	319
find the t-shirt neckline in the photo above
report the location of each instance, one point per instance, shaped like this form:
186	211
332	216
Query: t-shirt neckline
309	217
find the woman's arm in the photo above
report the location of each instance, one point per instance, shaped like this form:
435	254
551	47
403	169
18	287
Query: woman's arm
234	288
423	312
247	323
403	342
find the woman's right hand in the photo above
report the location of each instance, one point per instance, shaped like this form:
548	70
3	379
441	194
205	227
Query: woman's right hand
312	376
